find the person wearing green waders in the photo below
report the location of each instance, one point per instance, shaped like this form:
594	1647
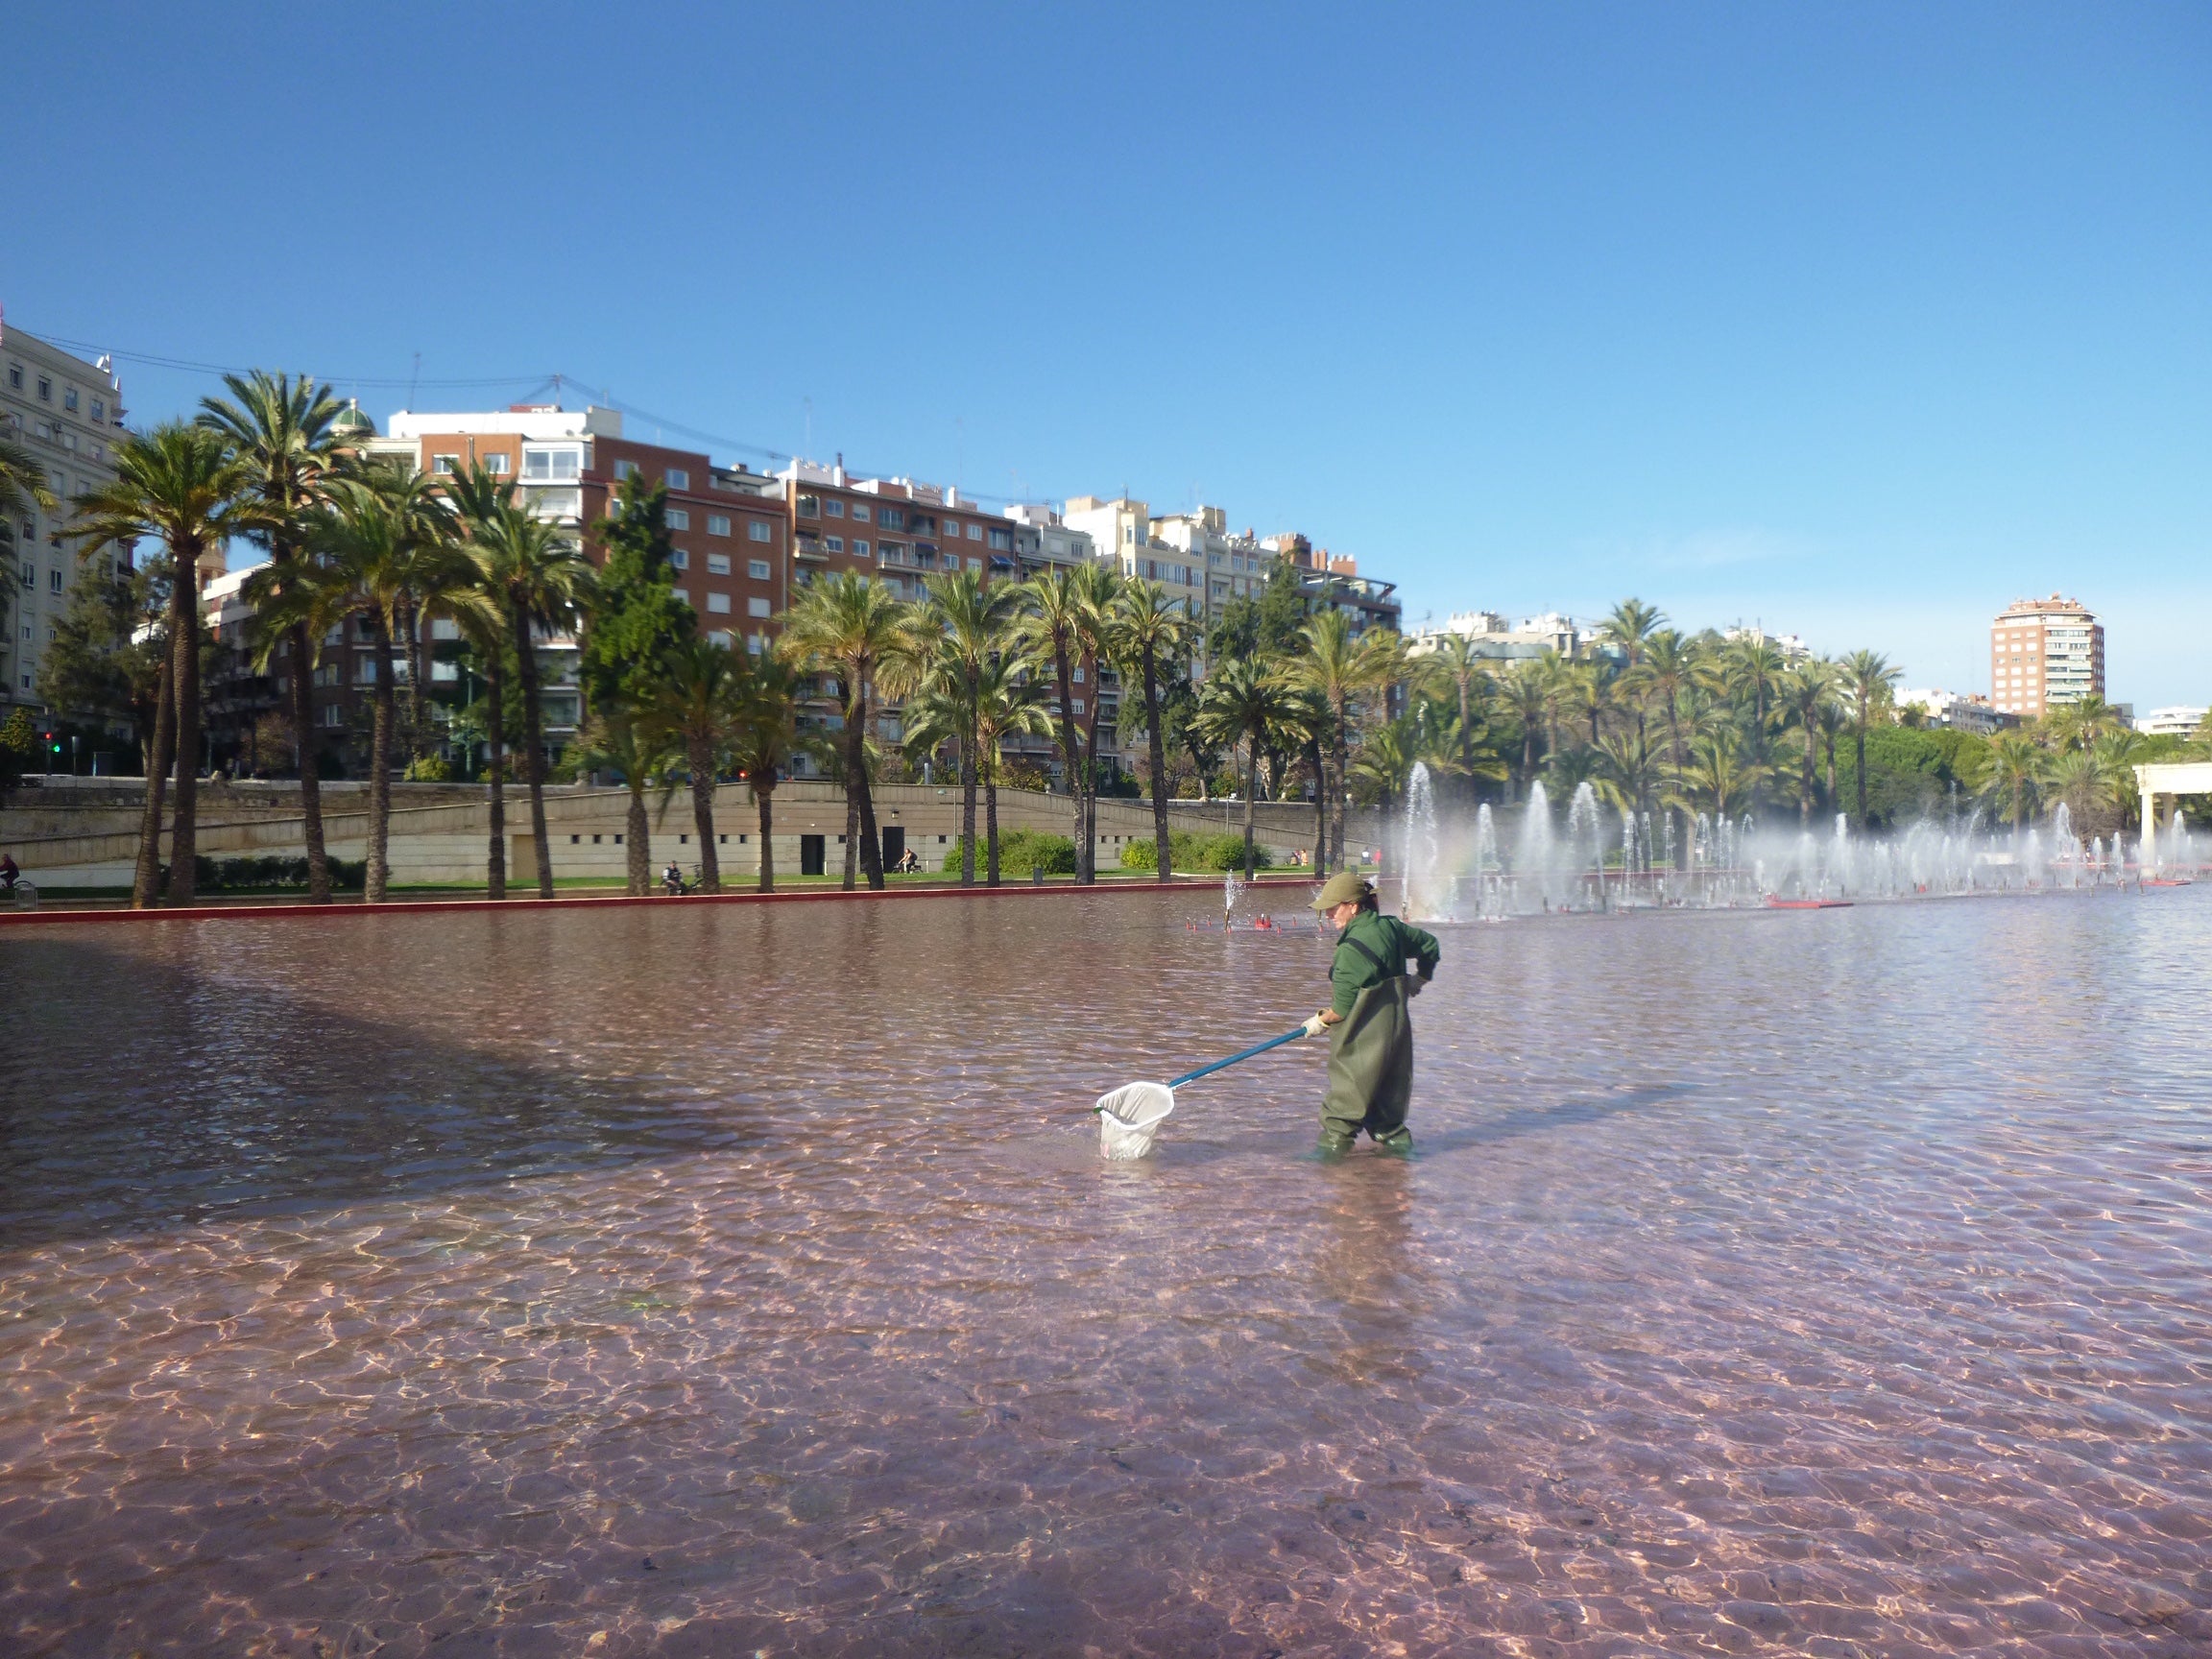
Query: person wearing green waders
1369	1020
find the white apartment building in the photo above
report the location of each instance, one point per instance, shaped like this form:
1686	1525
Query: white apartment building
1235	566
1494	638
1793	649
1120	530
68	413
1958	710
2178	720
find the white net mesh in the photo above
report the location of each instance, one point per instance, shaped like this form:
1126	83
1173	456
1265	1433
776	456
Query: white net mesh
1131	1115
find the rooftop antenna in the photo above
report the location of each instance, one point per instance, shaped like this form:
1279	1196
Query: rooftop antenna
809	402
413	377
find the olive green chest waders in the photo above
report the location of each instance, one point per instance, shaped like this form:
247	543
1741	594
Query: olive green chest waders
1371	1070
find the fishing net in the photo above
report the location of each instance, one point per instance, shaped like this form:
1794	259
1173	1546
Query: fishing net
1131	1115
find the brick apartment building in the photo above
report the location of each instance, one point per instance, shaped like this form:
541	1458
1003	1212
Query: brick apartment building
2042	653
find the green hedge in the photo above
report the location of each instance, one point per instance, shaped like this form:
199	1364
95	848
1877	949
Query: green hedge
1193	852
1019	851
241	875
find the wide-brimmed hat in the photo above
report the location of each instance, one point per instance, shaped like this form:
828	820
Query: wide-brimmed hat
1345	887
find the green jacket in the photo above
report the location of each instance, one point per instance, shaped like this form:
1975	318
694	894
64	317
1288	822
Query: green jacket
1387	938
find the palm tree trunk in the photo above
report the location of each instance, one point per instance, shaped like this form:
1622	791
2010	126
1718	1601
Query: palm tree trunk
1830	739
496	767
1861	757
638	866
1251	788
1158	745
1086	787
534	757
184	643
1805	784
764	796
1341	756
1314	758
146	880
991	826
967	809
411	635
1069	755
855	781
871	849
384	716
310	785
700	754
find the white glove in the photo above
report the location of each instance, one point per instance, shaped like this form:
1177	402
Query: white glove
1317	1026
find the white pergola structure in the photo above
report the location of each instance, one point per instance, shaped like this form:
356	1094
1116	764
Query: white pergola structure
2175	777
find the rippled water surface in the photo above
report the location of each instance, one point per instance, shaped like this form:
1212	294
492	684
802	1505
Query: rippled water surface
724	1280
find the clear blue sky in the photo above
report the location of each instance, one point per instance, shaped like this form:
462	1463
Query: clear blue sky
1861	321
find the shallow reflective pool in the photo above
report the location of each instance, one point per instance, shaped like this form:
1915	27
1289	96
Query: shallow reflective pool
721	1280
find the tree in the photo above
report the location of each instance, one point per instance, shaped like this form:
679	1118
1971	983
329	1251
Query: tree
480	501
964	625
177	485
539	580
284	435
1009	703
1339	670
1458	669
697	709
1098	586
1242	702
1721	778
765	736
620	735
850	627
1804	689
1865	679
2014	771
1050	627
635	618
109	648
1152	632
1523	692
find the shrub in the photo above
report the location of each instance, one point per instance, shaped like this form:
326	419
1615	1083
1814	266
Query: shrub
1019	851
1192	851
249	875
430	769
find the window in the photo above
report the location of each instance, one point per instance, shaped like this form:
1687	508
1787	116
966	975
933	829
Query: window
678	560
45	390
445	466
29	574
717	524
684	594
69	399
758	529
54	581
678	519
859	548
497	463
757	568
718	604
975	564
975	532
552	466
809	506
835	543
333	715
833	508
679	477
722	637
15	376
951	526
99	410
1078	676
717	564
890	517
1002	539
756	607
1078	703
625	470
860	510
756	644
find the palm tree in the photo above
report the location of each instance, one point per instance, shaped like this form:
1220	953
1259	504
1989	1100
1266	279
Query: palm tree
179	485
1098	588
2080	724
1721	778
965	624
1457	668
2014	772
1750	668
1009	703
480	501
539	580
1243	702
1151	630
765	736
625	740
850	627
1628	772
372	542
1866	680
285	433
1339	668
1524	694
1803	691
698	708
1585	691
1051	629
1387	759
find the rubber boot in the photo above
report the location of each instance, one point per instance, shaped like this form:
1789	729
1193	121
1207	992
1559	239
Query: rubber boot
1331	1146
1398	1141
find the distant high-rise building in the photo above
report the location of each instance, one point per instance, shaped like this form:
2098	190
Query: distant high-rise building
2042	653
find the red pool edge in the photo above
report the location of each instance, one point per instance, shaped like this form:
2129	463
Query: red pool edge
417	906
